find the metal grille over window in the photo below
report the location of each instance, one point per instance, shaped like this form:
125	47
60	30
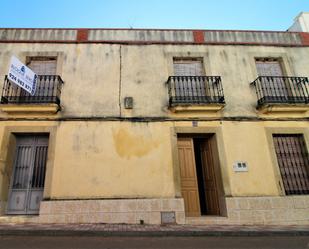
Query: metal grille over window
38	174
293	160
23	162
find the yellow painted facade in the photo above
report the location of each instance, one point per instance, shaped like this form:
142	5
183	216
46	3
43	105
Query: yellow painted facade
99	150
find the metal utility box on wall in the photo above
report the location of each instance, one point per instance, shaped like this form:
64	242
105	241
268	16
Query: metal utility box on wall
128	102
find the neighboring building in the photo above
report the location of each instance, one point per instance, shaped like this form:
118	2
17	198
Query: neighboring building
301	23
159	126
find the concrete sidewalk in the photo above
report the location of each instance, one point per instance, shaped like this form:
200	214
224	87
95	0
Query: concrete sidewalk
149	230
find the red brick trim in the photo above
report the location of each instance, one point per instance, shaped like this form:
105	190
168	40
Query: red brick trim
304	38
82	35
157	42
198	36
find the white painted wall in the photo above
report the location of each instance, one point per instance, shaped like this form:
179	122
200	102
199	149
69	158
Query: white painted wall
301	23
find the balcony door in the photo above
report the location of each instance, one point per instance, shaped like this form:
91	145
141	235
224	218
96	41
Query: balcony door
274	86
46	66
27	181
189	87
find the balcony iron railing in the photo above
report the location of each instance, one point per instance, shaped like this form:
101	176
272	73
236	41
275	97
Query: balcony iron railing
48	90
187	90
277	89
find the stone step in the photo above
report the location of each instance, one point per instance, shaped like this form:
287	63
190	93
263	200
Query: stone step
207	220
19	219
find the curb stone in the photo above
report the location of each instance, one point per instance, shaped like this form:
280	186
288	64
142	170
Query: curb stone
58	232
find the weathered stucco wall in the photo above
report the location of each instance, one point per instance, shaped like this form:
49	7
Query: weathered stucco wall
97	152
98	76
135	160
112	159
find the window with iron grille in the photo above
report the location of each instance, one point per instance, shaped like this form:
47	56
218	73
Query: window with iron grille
293	161
48	84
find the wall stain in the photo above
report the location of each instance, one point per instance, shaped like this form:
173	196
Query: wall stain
129	144
87	144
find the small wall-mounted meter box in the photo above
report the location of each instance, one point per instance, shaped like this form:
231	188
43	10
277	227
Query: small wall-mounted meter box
128	102
240	166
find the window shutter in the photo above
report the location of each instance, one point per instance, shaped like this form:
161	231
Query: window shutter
43	66
269	68
188	68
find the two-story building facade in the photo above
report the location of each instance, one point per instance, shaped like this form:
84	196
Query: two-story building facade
156	126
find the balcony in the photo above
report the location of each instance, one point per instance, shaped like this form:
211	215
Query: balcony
196	92
276	93
46	98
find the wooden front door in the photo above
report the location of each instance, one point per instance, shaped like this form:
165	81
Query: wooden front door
189	186
209	177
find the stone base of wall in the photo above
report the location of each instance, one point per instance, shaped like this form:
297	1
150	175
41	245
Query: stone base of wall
288	210
129	211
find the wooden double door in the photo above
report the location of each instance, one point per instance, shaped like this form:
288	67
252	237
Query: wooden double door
199	168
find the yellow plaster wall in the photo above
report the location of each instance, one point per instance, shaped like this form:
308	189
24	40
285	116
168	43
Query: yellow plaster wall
123	159
248	141
112	159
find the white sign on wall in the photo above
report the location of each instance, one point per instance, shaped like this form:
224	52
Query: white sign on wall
22	75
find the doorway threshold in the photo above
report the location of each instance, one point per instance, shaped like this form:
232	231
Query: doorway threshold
207	220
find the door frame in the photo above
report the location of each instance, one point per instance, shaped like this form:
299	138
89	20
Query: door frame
29	189
7	152
224	188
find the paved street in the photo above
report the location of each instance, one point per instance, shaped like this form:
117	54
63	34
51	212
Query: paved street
36	242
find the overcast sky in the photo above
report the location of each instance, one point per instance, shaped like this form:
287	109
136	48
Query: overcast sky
192	14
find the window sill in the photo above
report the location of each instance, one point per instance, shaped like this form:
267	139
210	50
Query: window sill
283	108
198	108
30	108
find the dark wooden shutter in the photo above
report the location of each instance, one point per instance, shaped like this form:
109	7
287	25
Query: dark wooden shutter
293	160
